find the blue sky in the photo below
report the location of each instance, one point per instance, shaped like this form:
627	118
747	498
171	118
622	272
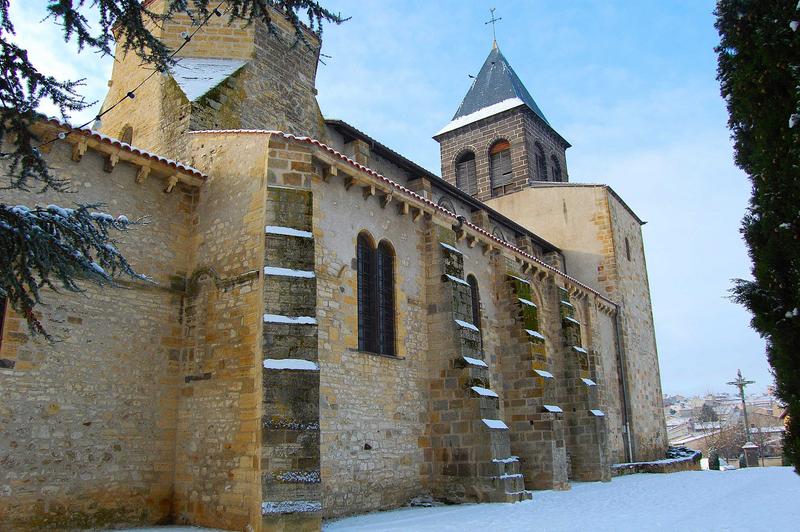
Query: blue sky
631	85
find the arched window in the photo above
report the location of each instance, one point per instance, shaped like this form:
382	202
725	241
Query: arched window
466	178
376	302
385	290
476	303
126	135
365	259
541	163
556	169
476	300
445	203
500	166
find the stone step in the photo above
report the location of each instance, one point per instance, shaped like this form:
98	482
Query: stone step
519	496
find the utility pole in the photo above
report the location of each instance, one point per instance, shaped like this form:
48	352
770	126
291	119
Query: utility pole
741	383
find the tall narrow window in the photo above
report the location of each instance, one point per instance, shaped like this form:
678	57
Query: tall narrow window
556	169
500	166
476	300
365	252
541	163
627	248
466	178
2	317
385	282
376	301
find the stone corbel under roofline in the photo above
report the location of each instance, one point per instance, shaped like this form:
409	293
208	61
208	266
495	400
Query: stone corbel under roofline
150	165
371	183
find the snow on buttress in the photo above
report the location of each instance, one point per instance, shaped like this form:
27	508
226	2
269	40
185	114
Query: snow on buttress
287	272
475	362
589	382
553	408
287	231
456	279
293	320
543	373
535	334
527	302
480	114
290	363
464	324
197	76
451	248
579	349
494	423
485	392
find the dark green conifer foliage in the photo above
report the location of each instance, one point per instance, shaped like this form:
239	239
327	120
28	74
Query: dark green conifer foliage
54	246
759	74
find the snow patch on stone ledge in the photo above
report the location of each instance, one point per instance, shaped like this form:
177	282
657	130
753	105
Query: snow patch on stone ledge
287	231
589	382
291	320
598	413
553	409
287	272
543	373
484	392
466	325
451	248
456	279
509	460
527	302
535	334
290	507
572	320
475	362
290	363
520	279
480	114
495	424
579	349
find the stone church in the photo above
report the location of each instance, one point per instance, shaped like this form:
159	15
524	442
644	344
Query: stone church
332	329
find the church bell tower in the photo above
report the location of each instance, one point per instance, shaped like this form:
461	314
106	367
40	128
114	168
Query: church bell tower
499	141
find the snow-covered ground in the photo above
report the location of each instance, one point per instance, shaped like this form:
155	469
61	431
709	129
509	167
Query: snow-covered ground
746	499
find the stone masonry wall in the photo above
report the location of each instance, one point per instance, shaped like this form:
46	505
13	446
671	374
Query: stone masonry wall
649	425
87	424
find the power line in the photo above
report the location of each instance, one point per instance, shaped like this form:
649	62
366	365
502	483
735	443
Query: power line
131	94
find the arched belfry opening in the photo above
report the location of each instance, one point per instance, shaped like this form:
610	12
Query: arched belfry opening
499	140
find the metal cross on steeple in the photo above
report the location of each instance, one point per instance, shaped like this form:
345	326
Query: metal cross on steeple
741	383
492	21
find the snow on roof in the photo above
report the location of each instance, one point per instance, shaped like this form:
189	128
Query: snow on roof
105	139
495	424
480	114
196	76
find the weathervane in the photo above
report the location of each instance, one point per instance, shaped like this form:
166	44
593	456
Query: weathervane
492	21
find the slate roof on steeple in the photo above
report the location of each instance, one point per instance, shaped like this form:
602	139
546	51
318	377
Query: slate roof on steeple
497	88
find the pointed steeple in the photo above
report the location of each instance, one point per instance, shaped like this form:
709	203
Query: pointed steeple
496	89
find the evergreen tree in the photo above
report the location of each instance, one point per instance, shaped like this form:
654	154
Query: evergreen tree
53	246
707	413
759	74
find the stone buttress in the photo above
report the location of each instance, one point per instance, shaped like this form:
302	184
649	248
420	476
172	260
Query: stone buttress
529	385
585	431
290	457
470	451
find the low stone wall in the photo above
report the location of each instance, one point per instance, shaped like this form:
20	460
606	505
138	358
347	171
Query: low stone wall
668	465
